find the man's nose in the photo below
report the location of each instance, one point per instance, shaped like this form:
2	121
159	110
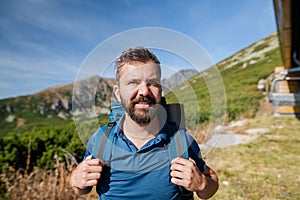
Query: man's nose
143	90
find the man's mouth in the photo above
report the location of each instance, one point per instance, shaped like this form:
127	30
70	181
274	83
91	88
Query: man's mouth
143	105
143	102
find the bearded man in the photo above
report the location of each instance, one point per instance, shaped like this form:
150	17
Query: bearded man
140	167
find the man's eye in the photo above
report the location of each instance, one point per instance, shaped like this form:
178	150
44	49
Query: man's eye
132	83
154	83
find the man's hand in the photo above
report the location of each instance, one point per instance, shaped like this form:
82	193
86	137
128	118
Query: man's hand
186	173
86	175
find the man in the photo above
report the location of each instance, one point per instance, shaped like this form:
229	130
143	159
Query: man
140	167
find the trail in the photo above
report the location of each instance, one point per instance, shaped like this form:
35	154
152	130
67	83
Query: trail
230	138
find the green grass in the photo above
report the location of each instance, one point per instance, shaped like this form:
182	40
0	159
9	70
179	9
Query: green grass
267	168
241	90
31	120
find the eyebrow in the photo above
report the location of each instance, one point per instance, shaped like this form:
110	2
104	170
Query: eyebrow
147	80
154	79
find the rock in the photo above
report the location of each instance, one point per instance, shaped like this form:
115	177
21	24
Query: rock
238	123
254	131
10	118
226	140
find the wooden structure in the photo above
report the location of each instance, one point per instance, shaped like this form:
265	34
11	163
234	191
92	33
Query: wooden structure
285	89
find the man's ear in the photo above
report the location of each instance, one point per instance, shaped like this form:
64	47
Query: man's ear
117	93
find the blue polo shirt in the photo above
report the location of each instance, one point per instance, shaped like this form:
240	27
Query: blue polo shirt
141	173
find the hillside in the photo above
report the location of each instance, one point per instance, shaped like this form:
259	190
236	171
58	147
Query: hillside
252	54
52	106
240	73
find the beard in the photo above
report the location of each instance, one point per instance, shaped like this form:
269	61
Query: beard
141	116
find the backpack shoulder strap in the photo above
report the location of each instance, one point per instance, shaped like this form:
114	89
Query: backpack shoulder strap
178	146
103	143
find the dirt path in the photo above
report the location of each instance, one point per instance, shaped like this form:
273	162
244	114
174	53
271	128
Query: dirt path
230	137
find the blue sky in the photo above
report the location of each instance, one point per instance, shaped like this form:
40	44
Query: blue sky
44	42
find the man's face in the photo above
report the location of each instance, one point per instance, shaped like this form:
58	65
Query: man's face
139	90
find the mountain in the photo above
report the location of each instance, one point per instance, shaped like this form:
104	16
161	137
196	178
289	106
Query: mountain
52	106
240	73
177	79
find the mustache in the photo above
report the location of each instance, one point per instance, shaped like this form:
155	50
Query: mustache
145	99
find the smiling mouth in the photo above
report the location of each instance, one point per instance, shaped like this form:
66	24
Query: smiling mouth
143	105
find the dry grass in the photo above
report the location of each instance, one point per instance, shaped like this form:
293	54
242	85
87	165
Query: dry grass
41	184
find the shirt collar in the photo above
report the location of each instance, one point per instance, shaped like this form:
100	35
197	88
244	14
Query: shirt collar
164	134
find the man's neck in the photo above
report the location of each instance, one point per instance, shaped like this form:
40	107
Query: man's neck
140	134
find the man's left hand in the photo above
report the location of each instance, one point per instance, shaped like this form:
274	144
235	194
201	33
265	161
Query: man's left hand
186	173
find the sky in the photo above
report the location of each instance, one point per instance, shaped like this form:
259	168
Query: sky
43	43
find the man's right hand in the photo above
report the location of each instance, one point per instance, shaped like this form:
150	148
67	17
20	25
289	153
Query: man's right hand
86	175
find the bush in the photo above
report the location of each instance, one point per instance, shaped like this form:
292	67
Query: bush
38	147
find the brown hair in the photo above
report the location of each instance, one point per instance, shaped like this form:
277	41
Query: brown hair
140	54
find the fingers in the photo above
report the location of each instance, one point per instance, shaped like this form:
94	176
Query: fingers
91	169
93	162
88	179
184	173
87	173
183	165
181	168
91	172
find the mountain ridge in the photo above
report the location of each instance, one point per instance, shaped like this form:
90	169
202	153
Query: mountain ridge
252	53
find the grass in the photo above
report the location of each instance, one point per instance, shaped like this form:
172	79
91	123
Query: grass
267	168
29	121
41	184
241	91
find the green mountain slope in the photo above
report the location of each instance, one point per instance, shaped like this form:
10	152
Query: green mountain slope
50	107
240	73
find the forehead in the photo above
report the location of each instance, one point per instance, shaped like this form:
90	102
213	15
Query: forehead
140	70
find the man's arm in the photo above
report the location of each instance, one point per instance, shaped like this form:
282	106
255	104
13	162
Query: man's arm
186	173
211	186
86	175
